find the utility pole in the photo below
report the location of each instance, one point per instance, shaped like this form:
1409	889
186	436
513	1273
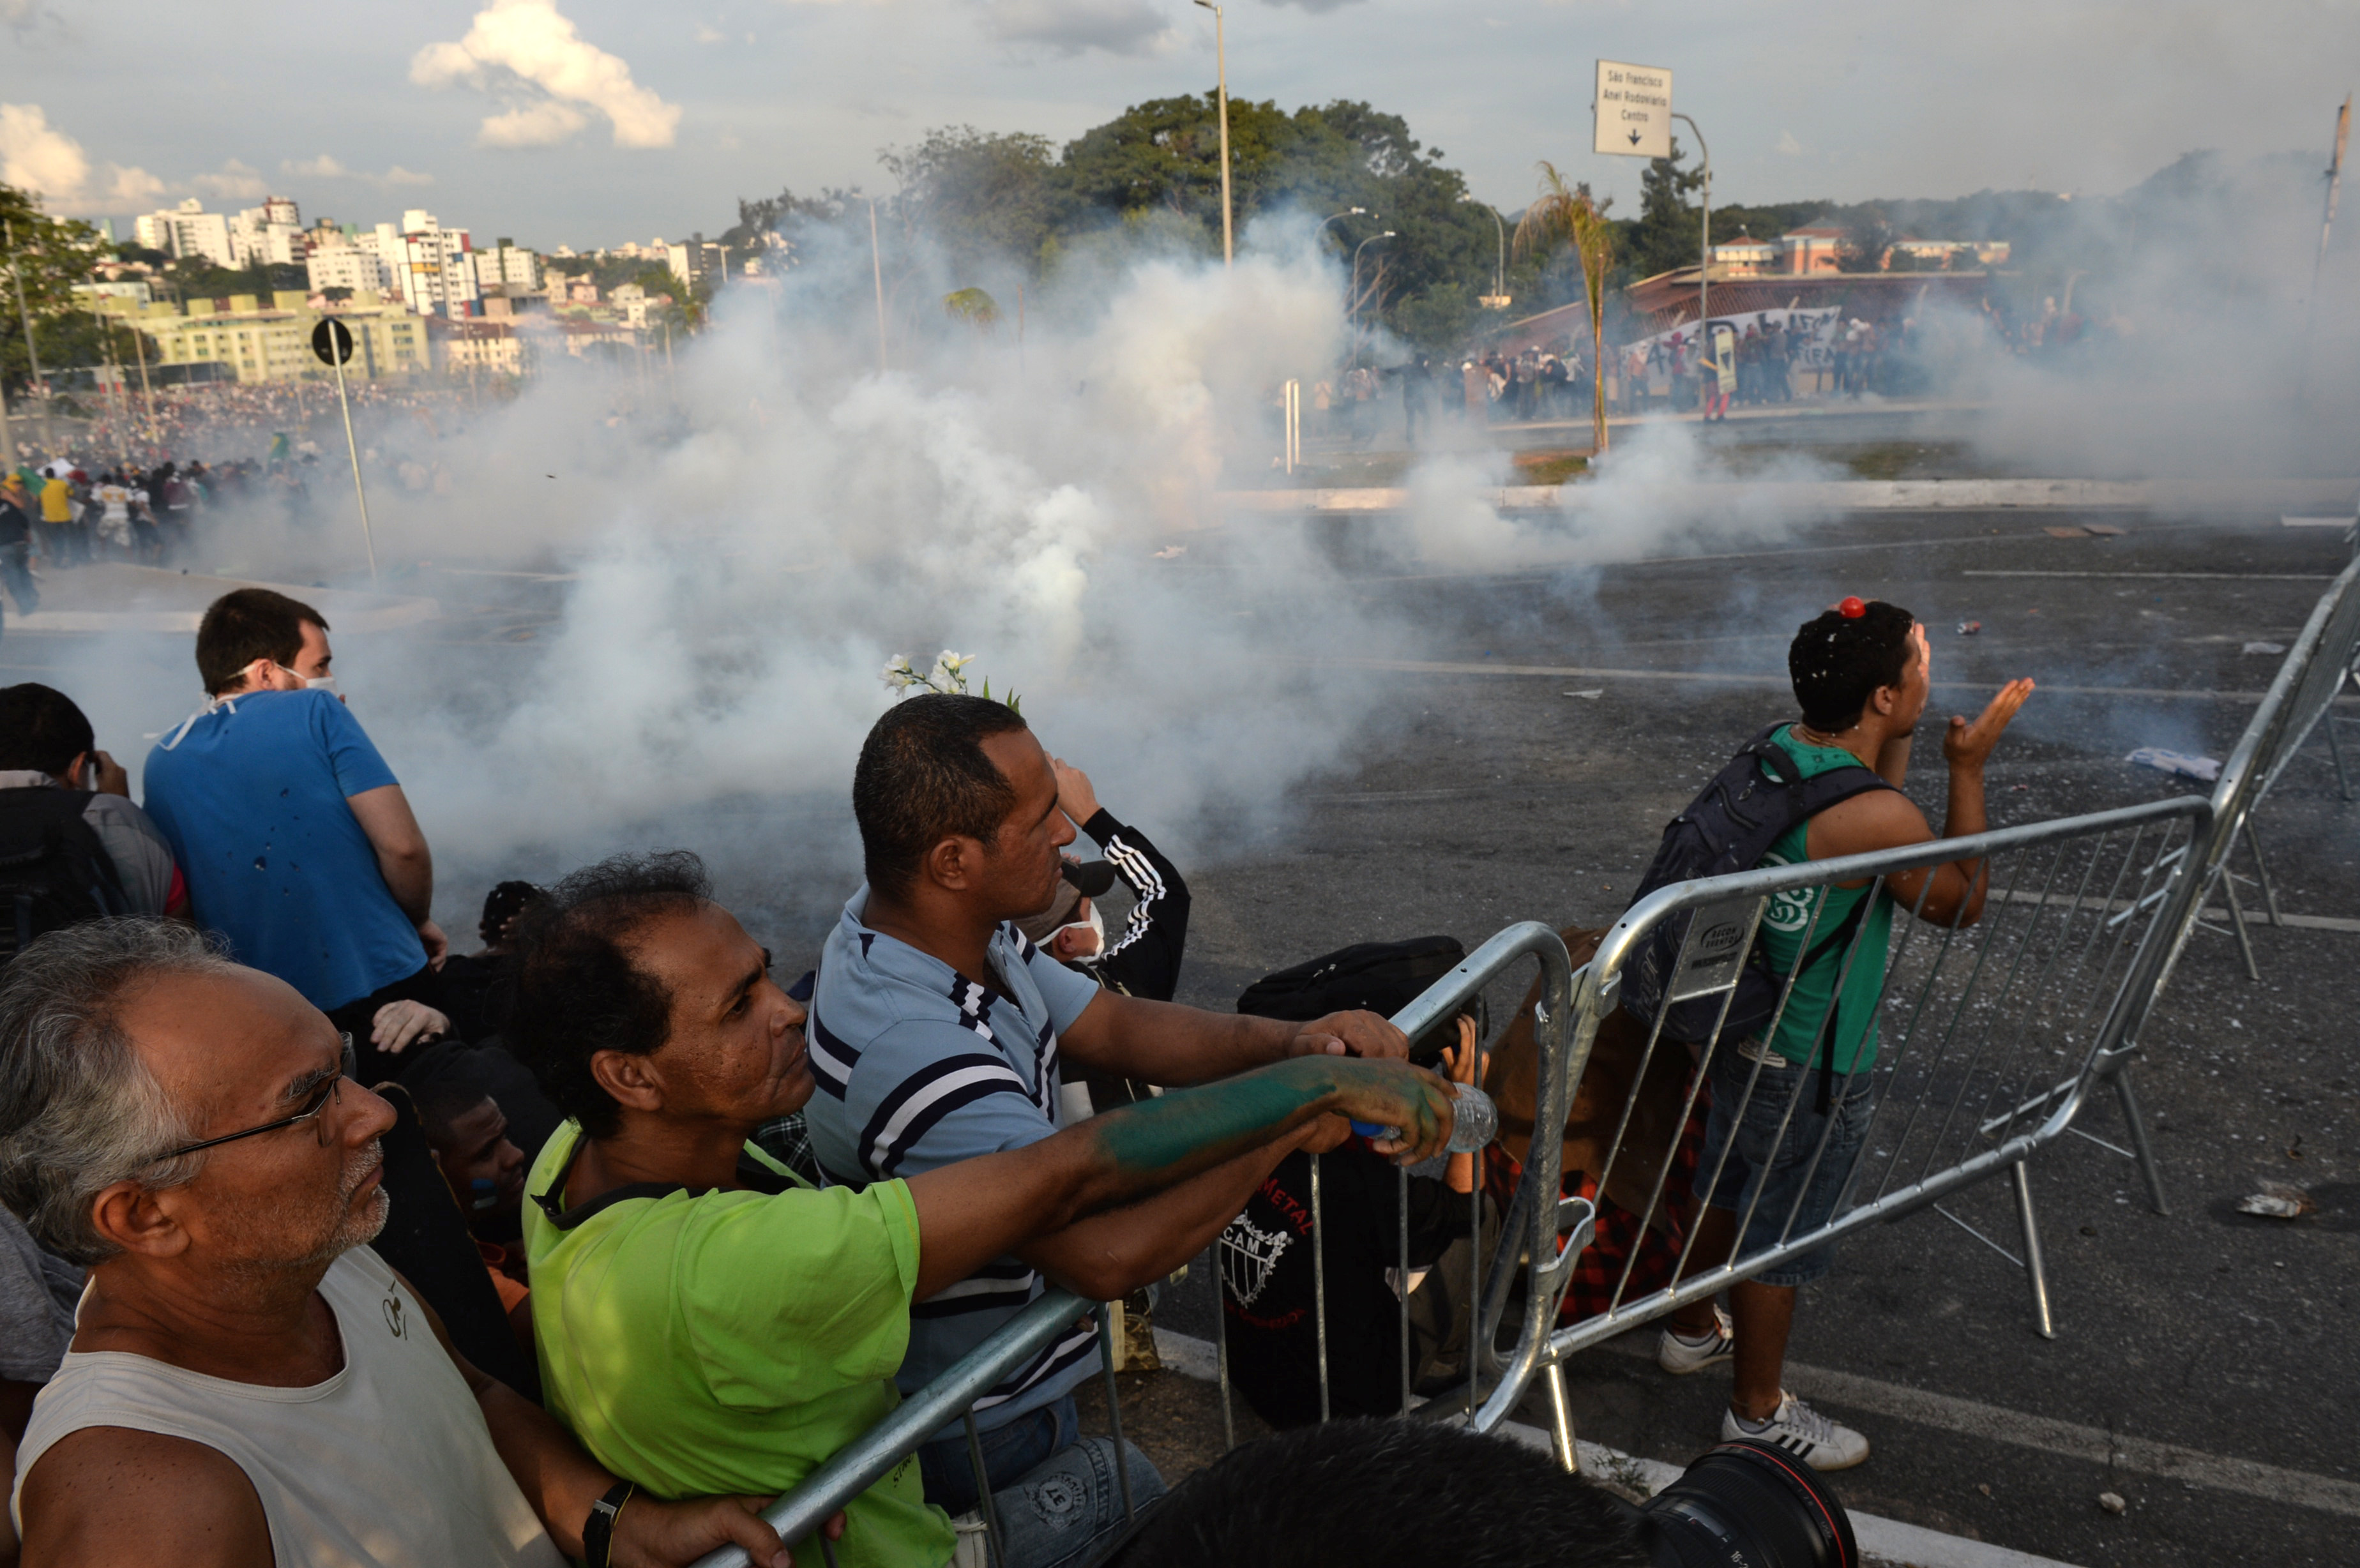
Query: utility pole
1704	267
2326	229
1499	273
32	354
1221	65
877	272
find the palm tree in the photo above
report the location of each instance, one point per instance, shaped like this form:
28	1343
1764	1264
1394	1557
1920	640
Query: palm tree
1569	215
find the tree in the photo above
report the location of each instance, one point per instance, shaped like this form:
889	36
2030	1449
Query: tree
983	197
1568	217
48	256
1867	242
1669	233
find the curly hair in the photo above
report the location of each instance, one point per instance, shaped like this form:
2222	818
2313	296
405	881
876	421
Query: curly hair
1837	662
577	991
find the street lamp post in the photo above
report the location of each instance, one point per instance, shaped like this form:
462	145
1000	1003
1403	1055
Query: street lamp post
1347	213
1356	265
1704	267
1499	273
1221	65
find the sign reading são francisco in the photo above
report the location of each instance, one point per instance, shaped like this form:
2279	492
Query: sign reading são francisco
1634	110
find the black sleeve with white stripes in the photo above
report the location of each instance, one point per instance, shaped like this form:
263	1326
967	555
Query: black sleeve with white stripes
1143	959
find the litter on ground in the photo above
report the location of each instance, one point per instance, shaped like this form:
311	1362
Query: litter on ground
2180	764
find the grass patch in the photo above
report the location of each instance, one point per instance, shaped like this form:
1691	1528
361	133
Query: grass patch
1545	467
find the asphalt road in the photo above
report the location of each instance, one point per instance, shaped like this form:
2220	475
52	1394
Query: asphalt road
2209	1331
1496	797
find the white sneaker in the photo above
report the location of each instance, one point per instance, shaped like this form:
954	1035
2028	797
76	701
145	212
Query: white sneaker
1679	1356
1822	1443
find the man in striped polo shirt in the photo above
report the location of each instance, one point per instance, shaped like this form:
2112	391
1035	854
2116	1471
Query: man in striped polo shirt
936	1031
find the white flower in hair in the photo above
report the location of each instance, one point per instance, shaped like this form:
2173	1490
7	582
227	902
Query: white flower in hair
898	675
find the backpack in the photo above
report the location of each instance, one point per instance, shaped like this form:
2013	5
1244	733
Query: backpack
1382	976
1729	827
54	871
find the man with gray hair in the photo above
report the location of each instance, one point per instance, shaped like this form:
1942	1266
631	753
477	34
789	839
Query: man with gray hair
247	1380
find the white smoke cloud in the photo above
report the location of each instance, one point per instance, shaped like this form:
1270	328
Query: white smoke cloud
526	46
37	157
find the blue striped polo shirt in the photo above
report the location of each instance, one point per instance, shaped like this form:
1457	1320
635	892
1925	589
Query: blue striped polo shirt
921	1066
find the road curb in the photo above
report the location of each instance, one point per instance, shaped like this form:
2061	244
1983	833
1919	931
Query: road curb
1882	1540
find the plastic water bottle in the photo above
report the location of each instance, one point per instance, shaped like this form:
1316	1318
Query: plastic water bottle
1475	1125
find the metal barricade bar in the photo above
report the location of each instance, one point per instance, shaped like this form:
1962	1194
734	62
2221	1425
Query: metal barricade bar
2063	961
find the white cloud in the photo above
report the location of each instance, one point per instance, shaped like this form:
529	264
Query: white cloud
1789	144
36	155
710	35
1070	26
525	47
326	167
234	181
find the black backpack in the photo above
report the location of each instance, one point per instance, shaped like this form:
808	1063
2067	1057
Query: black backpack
54	872
1729	826
1382	976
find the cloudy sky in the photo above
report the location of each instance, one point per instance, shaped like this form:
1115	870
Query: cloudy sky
590	121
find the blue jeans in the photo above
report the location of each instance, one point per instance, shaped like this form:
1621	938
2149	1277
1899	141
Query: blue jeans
1767	1172
1056	1497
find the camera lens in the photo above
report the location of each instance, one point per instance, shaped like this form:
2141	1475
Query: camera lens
1748	1505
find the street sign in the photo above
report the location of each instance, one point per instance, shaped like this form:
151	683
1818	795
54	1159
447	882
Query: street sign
332	342
1634	110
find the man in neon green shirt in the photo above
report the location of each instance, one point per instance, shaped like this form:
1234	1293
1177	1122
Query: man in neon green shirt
709	1322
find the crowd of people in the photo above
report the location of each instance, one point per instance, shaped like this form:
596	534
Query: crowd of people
616	1236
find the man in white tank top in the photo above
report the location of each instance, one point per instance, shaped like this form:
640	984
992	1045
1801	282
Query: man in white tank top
247	1381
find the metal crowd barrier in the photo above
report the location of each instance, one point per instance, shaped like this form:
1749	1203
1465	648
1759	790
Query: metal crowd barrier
1990	1037
1992	1040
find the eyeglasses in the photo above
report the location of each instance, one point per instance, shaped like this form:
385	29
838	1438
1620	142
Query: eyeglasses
320	1099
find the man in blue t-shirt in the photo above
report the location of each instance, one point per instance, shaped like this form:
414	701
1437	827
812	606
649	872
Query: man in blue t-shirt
297	842
936	1031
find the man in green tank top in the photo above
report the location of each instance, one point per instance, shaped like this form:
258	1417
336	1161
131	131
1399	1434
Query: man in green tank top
1862	672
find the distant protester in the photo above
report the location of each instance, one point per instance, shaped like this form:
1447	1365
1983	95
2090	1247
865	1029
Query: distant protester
247	1380
472	989
708	1321
298	844
71	842
939	1032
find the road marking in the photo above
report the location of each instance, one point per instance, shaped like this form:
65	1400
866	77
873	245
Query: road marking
1888	1541
2177	576
1745	678
1971	1418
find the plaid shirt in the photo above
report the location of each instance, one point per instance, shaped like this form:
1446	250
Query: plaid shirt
1617	1230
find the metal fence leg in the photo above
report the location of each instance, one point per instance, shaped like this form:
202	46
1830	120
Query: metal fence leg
2136	1122
2262	871
2034	1269
2237	920
1400	1214
2335	750
1319	1285
1221	1347
983	1495
1561	1421
1114	1402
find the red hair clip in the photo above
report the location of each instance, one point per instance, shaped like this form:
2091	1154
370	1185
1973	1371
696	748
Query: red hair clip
1851	609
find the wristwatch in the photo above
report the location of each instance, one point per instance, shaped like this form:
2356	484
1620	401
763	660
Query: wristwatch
598	1530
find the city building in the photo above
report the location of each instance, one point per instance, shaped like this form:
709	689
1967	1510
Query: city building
694	261
345	264
493	346
431	265
254	337
272	233
507	268
187	230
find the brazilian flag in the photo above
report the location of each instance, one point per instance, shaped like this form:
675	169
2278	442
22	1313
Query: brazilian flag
281	451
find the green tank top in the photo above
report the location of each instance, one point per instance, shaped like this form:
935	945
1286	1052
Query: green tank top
1790	916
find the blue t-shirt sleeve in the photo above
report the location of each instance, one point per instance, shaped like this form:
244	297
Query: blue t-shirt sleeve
1065	991
952	1098
355	758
